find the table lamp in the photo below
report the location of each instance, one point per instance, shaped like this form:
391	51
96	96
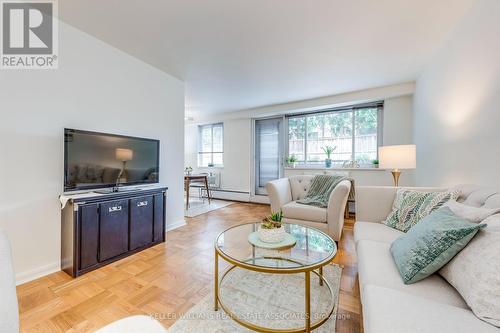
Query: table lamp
397	158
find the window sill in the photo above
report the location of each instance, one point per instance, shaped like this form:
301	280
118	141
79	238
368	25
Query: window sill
214	167
302	167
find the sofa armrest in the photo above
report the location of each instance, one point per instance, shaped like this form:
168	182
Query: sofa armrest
374	203
279	192
336	207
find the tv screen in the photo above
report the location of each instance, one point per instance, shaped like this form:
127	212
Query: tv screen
97	160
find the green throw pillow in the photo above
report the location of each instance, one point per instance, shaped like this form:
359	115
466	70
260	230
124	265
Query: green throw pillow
411	206
431	243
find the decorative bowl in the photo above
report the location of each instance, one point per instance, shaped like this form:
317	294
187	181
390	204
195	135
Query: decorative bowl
275	235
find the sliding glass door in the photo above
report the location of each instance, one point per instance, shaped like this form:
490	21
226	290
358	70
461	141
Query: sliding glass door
269	149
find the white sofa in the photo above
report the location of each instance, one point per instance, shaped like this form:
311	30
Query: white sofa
284	192
390	306
9	315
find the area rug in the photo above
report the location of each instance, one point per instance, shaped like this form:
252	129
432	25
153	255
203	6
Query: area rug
197	206
269	300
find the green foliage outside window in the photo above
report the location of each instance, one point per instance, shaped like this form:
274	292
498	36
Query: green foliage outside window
346	130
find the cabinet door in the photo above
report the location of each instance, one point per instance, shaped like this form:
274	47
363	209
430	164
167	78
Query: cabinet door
159	213
113	237
141	222
89	235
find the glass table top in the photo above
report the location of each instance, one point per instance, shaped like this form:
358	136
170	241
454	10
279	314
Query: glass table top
313	247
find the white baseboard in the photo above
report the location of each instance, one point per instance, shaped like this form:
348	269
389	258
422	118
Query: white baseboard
263	199
230	195
36	273
175	225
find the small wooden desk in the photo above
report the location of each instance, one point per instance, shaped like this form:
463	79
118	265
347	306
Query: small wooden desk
187	181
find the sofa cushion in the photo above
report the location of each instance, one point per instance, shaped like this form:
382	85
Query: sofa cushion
411	206
475	272
473	214
376	267
375	232
392	311
431	243
477	196
294	210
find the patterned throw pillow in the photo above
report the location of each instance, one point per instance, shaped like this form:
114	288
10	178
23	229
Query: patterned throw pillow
411	206
431	243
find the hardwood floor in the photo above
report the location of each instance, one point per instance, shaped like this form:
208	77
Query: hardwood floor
167	279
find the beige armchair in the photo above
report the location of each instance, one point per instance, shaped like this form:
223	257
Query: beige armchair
284	192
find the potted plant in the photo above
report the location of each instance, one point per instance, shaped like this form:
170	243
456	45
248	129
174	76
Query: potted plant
375	163
291	161
328	151
188	170
272	230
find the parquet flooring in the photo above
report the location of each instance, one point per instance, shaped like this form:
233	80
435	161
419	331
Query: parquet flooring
166	280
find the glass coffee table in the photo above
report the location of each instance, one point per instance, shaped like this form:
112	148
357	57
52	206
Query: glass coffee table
312	251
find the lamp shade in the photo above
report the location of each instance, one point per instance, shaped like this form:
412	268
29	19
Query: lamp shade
398	157
123	154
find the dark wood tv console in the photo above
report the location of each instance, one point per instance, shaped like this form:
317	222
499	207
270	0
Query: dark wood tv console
101	228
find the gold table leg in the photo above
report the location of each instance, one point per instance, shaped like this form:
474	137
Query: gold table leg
187	182
309	325
216	282
308	301
320	276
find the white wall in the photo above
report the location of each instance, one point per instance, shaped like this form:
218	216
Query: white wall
398	121
237	155
457	105
96	87
354	97
236	174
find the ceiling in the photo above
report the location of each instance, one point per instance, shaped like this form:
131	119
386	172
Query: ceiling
240	54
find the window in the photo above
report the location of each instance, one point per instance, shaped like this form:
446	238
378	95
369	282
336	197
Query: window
353	131
210	145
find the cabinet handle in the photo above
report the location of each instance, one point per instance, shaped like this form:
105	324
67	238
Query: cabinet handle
115	209
142	203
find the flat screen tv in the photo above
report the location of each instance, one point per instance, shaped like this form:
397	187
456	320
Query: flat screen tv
98	160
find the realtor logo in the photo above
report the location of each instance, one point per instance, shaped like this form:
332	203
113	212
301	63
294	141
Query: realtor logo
29	34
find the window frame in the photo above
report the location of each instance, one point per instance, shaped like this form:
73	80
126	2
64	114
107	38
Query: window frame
380	116
211	152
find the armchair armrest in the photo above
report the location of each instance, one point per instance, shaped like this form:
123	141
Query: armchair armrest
335	210
279	192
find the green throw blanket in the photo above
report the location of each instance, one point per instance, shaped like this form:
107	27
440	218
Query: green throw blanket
321	188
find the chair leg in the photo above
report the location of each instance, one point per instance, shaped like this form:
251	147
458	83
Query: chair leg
346	211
